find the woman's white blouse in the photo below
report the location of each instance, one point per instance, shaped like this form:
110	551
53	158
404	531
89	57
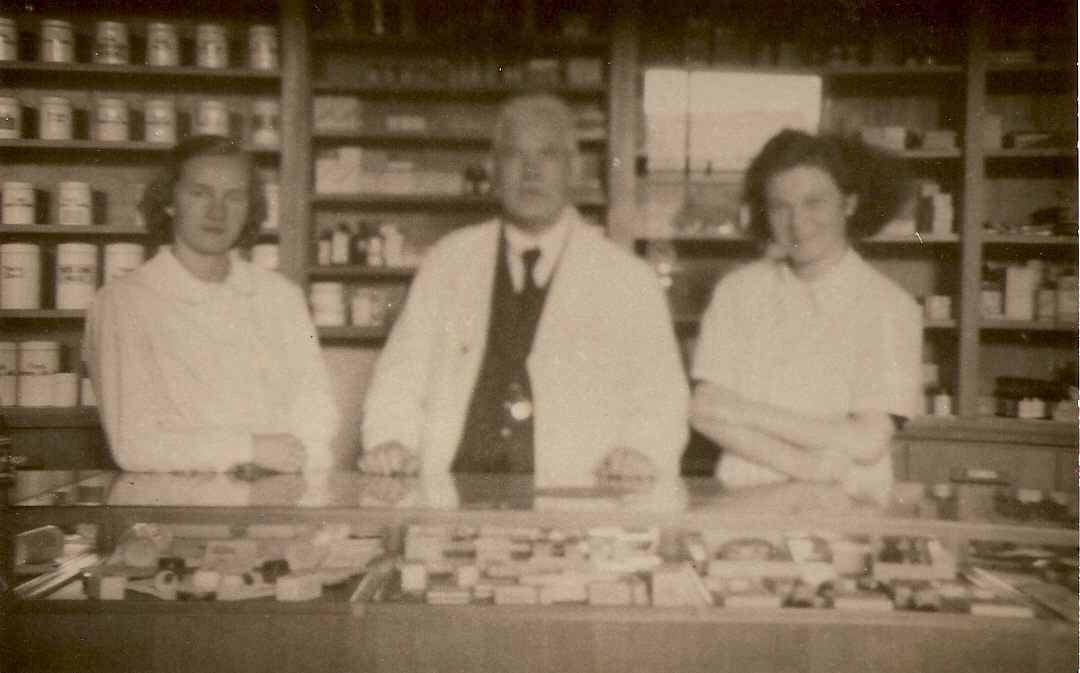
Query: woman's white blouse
186	372
846	342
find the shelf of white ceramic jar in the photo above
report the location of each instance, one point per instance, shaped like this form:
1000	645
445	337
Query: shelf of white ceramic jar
10	146
32	74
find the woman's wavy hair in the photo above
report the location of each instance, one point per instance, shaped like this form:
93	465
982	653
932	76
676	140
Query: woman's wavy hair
878	179
157	202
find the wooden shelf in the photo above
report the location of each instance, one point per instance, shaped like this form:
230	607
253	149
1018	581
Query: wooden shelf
62	231
397	140
66	147
449	91
940	324
826	71
1044	67
433	201
690	323
27	74
51	417
992	429
404	201
362	271
1028	239
353	334
696	238
930	155
42	314
435	43
1026	326
1032	153
912	239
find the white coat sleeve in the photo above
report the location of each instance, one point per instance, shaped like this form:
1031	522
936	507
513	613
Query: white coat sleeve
313	414
143	431
394	403
656	420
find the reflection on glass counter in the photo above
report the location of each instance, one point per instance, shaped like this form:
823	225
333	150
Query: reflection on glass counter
498	539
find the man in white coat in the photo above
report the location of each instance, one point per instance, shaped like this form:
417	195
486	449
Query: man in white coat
529	343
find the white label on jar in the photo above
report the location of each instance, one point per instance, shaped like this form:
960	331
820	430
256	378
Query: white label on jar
264	123
20	276
75	204
55	118
10	117
112	120
76	275
162	45
37	358
18	203
57	42
212	118
121	258
211	46
9	40
271	193
111	43
160	121
263	48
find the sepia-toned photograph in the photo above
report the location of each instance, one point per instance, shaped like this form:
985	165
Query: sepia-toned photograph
493	336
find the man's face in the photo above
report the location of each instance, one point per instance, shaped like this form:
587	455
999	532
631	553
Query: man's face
533	170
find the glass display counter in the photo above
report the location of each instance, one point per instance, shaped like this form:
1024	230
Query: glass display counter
338	571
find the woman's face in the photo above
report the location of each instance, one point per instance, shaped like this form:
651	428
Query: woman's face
210	201
807	215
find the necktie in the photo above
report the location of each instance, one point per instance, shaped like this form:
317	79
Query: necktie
529	258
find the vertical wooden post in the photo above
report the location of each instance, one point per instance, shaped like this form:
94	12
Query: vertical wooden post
974	214
295	159
623	115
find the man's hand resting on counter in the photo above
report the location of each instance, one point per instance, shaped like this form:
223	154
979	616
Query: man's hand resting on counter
624	463
279	453
390	459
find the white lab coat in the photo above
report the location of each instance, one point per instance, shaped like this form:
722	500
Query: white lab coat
605	369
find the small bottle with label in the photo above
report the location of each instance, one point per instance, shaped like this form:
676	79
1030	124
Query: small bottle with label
340	241
324	250
375	256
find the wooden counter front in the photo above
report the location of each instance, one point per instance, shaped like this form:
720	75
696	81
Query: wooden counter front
335	635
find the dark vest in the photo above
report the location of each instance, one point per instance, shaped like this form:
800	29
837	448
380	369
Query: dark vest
496	437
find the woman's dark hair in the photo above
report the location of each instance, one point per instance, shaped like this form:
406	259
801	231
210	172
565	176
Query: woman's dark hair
157	202
877	178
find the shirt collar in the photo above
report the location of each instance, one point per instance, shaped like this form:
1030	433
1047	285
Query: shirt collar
551	244
832	290
172	278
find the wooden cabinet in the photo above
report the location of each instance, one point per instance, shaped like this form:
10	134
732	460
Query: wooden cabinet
978	101
123	105
404	103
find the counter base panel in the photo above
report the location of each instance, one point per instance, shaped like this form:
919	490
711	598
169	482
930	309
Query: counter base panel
478	640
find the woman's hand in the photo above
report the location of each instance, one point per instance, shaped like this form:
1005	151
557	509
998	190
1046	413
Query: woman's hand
279	452
389	459
717	404
625	464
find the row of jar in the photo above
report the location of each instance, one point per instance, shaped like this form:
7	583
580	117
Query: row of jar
31	376
156	44
79	204
158	121
335	304
75	271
